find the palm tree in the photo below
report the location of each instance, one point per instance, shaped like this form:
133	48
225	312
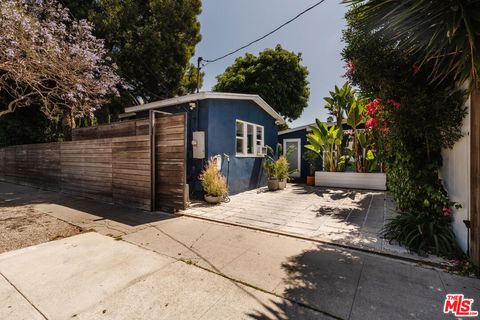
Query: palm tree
338	105
443	33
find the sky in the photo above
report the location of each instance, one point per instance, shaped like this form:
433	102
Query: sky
227	25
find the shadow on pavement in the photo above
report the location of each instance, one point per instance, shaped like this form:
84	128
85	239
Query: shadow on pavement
322	280
15	195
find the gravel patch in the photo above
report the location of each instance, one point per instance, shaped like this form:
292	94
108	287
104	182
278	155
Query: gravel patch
22	226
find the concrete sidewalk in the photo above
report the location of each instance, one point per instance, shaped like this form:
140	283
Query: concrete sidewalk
91	276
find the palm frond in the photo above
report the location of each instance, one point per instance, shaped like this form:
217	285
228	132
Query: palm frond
443	33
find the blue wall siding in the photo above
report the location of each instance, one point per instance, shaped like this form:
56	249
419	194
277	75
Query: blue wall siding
245	172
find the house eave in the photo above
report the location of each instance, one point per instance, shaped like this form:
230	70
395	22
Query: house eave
208	95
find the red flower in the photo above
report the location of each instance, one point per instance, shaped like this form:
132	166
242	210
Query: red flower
376	101
416	69
447	211
371	123
393	103
371	110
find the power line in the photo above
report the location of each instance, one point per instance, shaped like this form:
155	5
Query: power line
264	36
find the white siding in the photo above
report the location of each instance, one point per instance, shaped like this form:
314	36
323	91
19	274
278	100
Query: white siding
456	177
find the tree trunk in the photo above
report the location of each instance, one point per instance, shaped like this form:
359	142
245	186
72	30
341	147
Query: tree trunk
68	123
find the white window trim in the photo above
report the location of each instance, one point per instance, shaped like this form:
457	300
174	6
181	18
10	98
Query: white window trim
299	144
244	154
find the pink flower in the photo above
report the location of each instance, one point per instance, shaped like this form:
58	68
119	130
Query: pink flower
447	211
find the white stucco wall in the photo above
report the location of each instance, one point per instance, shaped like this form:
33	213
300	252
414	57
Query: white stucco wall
456	177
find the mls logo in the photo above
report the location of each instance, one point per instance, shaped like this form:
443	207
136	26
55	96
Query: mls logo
459	306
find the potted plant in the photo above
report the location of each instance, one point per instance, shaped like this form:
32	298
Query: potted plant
214	183
282	173
270	166
312	159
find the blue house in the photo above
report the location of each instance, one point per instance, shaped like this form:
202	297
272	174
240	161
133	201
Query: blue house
233	128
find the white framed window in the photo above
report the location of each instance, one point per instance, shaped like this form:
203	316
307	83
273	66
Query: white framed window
249	139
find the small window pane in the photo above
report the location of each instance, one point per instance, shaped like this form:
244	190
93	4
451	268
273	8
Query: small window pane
239	131
250	143
259	133
239	146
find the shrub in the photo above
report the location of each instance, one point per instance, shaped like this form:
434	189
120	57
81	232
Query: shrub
213	182
422	232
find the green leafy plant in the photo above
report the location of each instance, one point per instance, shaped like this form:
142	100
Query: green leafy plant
213	182
277	75
323	141
270	161
275	163
339	104
283	168
409	139
443	34
356	117
312	158
422	233
368	161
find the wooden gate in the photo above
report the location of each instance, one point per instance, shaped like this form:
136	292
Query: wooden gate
169	143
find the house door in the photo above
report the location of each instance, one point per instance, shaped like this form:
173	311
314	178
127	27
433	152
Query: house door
293	147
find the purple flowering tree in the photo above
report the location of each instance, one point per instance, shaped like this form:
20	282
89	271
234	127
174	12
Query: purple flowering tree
50	60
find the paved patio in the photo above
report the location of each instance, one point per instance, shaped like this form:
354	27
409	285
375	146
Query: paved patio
351	218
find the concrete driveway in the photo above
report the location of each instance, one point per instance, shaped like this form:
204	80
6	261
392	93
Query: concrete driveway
351	218
186	268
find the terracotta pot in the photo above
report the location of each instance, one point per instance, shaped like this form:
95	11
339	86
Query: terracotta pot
213	199
273	184
282	184
311	180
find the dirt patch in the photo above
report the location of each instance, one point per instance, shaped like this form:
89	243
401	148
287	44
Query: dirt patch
22	226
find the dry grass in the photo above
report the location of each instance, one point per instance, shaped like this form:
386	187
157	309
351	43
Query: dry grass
21	226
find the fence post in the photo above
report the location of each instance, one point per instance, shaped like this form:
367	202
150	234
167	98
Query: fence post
152	160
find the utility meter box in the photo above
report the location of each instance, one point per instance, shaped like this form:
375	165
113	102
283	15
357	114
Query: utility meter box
198	144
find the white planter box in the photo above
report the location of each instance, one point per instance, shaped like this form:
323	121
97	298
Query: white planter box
352	180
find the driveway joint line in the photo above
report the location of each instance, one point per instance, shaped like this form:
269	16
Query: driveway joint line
356	289
368	211
25	297
236	281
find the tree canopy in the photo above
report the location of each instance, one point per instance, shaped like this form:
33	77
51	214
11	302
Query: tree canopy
152	41
444	34
51	61
275	74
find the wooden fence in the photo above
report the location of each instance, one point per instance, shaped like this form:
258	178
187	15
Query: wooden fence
132	163
104	169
